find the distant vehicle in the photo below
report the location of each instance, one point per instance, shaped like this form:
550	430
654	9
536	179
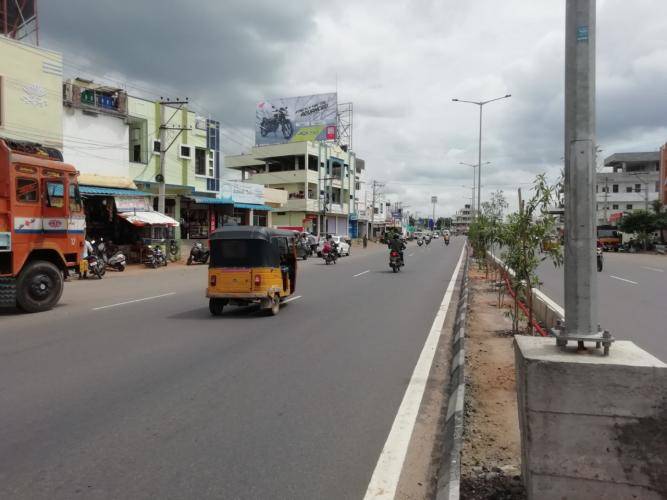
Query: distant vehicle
436	235
343	246
609	237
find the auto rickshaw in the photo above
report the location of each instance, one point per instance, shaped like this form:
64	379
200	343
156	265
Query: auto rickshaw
251	264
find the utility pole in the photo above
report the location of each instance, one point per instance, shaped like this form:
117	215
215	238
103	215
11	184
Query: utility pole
376	188
606	198
581	308
164	126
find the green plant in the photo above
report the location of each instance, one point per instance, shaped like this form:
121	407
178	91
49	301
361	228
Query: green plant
522	238
485	231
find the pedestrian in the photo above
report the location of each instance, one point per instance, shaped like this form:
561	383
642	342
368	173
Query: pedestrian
365	240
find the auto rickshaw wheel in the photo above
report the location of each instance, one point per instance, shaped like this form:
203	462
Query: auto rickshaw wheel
216	306
275	305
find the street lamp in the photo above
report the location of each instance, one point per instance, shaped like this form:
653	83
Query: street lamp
473	178
479	172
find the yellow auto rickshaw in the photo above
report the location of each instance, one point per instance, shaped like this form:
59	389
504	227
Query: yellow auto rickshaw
251	264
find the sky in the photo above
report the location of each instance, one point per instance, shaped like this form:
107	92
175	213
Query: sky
400	63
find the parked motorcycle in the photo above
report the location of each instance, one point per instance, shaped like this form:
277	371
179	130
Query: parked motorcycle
395	261
279	119
600	259
96	265
198	253
155	257
113	259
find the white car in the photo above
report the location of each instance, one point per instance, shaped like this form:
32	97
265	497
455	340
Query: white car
343	246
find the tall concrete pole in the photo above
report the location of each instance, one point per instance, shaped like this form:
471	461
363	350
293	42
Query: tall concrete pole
479	164
581	311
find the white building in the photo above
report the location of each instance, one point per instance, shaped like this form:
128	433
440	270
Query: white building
463	217
630	182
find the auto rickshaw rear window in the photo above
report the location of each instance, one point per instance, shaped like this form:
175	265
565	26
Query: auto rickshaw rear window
243	253
27	190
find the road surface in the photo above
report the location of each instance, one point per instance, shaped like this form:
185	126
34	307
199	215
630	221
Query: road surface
632	289
130	389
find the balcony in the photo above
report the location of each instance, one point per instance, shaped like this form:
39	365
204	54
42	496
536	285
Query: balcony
95	98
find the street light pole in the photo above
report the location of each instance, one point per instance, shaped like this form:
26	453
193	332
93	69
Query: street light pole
479	152
472	201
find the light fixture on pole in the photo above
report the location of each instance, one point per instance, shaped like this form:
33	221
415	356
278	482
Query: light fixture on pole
474	166
479	162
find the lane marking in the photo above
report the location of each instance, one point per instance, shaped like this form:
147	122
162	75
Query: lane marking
366	271
133	301
291	299
388	469
653	269
411	254
623	279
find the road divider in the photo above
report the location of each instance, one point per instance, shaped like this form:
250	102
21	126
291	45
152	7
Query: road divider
134	301
384	480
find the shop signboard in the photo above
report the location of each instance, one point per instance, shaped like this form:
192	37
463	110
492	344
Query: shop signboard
132	204
296	119
242	192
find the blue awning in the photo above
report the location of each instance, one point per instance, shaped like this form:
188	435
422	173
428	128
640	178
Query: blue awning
106	191
250	206
205	200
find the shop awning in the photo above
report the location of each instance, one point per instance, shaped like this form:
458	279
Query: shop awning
148	219
109	191
205	200
250	206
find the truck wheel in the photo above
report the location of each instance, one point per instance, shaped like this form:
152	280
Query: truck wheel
39	286
216	306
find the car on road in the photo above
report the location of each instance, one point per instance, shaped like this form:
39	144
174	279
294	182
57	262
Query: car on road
343	246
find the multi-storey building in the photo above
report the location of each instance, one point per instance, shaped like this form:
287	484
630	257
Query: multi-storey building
631	182
663	174
30	93
463	217
318	177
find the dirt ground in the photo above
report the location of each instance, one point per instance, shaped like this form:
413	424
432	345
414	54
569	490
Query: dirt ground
491	461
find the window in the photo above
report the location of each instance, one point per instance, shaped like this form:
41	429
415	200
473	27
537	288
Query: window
614	188
628	206
157	146
628	189
55	194
614	206
657	186
597	188
211	164
138	147
26	190
200	161
74	198
185	152
638	188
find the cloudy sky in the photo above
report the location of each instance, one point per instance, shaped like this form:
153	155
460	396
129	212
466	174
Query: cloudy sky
399	62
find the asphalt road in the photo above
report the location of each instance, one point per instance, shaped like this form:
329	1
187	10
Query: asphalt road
130	389
631	289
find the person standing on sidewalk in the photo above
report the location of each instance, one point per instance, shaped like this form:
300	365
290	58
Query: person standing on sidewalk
365	240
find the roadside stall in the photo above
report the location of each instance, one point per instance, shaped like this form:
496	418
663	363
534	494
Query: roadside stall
151	228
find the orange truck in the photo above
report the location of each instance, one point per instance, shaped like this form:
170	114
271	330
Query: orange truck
42	225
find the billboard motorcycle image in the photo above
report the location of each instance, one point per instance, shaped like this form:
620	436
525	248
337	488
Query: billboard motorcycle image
296	119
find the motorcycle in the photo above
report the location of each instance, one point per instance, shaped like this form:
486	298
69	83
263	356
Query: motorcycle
279	119
600	259
446	240
155	257
395	261
428	241
198	253
330	256
112	259
96	265
420	242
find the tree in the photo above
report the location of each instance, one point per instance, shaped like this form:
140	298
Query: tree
522	237
486	229
640	222
440	223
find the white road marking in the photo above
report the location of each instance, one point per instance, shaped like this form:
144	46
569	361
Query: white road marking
291	299
411	254
623	279
133	301
366	271
387	471
653	269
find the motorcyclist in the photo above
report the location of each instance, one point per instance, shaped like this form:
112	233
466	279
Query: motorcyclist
396	244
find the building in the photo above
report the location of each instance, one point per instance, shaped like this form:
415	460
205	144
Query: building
463	218
631	182
360	215
318	178
30	93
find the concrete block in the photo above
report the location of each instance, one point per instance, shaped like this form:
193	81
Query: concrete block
591	423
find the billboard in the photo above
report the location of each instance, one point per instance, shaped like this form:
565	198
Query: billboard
296	119
242	192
